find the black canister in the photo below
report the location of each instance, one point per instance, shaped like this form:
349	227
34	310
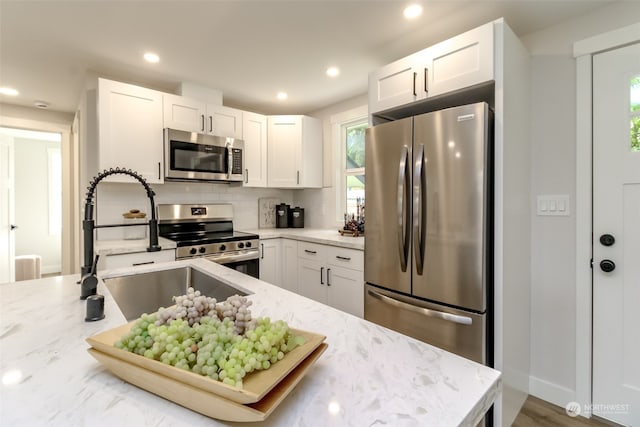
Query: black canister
296	217
282	215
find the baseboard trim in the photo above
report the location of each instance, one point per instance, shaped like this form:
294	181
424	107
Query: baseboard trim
551	392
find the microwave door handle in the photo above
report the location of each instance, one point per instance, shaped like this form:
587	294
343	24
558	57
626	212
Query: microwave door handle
402	177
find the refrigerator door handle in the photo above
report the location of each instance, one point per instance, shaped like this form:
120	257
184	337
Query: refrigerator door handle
418	212
462	320
402	177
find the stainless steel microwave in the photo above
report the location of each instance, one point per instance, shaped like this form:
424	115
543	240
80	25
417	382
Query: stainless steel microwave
191	156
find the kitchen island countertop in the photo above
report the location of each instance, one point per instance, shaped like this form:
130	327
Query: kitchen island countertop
369	375
313	235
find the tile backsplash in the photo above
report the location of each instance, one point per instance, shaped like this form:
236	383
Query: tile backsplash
113	199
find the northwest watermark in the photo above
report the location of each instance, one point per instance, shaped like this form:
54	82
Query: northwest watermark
573	409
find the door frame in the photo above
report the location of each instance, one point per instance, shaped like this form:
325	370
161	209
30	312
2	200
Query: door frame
70	213
583	51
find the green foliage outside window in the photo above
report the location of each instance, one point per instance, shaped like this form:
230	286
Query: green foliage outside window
635	118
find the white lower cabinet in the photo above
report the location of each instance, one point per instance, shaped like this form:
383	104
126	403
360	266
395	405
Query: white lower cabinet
270	261
109	262
332	276
289	278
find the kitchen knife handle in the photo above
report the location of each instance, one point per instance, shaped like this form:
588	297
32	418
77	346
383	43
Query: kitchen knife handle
402	188
418	212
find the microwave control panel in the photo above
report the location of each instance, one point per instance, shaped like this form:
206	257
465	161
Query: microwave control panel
236	166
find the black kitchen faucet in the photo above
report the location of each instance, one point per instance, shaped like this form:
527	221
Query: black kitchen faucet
88	282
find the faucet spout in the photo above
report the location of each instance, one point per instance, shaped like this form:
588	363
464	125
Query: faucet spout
88	224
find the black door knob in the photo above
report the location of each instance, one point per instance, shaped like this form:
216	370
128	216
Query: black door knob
607	240
607	265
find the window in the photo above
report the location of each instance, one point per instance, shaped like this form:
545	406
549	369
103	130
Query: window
634	113
353	167
55	190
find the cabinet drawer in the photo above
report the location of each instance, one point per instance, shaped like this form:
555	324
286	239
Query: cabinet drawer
139	258
312	251
347	258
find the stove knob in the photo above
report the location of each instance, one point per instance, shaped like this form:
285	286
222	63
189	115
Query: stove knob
241	245
223	247
193	251
202	250
248	244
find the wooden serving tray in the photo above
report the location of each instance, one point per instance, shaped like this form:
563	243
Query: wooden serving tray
255	385
204	402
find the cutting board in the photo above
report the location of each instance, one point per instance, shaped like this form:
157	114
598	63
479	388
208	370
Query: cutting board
267	212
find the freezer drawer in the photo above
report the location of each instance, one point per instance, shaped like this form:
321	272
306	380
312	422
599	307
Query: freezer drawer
457	331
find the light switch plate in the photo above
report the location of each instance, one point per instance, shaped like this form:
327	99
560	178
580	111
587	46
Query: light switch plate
553	205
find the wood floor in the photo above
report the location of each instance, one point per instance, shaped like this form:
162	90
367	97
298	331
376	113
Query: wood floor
538	413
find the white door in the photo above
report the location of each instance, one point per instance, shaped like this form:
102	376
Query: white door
616	235
7	243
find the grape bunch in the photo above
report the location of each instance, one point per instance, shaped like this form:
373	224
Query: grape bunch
236	308
192	307
223	342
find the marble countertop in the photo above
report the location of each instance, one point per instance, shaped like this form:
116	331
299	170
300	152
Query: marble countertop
314	235
369	375
117	247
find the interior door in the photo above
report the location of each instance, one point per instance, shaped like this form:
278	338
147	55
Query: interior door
7	242
616	235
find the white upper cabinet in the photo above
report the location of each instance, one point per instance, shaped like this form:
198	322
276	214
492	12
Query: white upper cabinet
254	131
294	152
191	115
462	61
401	82
130	130
453	64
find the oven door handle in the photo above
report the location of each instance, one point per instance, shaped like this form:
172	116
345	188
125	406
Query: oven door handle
234	257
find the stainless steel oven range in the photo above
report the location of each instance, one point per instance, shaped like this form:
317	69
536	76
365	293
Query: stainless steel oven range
206	231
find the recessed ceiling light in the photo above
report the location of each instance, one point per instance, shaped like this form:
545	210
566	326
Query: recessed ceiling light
412	11
8	91
151	57
282	96
333	71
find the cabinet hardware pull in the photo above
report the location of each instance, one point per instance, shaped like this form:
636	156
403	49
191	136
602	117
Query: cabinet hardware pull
298	177
159	170
246	178
426	73
328	283
202	117
262	246
210	123
344	258
321	270
142	263
415	75
310	252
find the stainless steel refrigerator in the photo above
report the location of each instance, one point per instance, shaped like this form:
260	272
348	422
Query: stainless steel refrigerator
428	248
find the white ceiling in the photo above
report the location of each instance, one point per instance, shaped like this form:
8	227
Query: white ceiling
249	50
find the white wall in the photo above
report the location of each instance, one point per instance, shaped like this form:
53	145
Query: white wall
32	204
553	156
113	199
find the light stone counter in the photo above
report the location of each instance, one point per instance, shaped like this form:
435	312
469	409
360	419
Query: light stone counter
369	375
314	235
117	247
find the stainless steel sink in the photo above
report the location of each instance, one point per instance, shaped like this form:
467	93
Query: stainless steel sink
146	292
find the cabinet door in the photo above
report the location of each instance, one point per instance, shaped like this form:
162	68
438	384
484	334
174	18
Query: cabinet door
254	131
311	277
289	278
224	121
398	83
284	137
130	130
346	290
270	261
462	61
183	113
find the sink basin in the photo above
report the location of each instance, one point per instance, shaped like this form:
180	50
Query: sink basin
146	292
